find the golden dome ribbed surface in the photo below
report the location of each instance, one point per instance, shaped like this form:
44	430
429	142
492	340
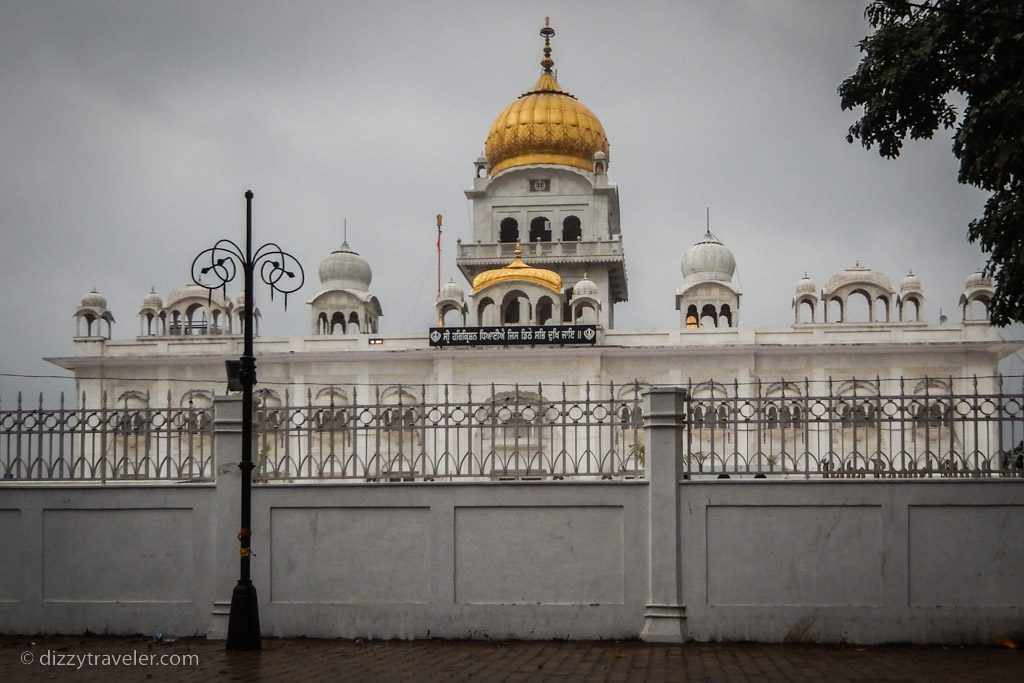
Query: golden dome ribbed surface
518	271
545	126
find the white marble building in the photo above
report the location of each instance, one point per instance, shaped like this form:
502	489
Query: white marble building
547	249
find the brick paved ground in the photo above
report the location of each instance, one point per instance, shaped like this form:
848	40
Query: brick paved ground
283	661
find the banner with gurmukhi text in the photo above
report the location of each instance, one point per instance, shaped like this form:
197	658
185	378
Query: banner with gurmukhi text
519	335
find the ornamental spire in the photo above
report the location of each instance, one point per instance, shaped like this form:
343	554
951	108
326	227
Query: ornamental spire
547	32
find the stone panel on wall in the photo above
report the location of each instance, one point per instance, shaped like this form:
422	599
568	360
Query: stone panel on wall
12	571
808	555
122	555
966	555
376	555
540	555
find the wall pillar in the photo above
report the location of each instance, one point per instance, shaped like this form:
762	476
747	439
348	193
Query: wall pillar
664	431
227	453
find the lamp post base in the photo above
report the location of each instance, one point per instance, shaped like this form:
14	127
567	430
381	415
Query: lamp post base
244	622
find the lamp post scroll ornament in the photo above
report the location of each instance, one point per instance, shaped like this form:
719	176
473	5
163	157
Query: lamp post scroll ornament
212	269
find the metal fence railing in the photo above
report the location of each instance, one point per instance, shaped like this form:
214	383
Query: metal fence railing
903	428
404	433
928	427
107	442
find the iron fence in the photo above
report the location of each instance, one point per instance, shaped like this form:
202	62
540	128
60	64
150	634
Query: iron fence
855	428
106	443
405	433
929	427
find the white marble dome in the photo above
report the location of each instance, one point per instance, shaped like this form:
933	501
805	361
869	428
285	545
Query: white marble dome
805	285
911	283
585	287
152	300
708	259
194	291
977	279
858	275
452	291
345	269
94	300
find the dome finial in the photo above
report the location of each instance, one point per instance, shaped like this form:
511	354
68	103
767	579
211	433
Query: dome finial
518	252
546	33
558	129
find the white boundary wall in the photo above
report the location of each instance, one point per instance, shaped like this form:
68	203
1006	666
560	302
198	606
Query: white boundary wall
857	561
864	562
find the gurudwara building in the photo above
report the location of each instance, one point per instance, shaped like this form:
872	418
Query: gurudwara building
545	268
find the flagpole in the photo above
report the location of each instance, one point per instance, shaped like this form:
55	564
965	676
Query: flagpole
439	255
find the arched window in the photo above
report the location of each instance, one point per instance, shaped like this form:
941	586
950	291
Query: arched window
881	309
805	311
692	321
515	307
571	229
338	323
585	314
450	316
911	310
857	403
708	316
544	311
486	313
540	229
725	316
835	310
508	232
196	316
858	307
353	323
978	309
512	312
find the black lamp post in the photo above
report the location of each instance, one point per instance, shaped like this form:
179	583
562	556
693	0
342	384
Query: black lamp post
220	264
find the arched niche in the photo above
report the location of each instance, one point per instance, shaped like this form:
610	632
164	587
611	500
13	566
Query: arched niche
540	229
708	316
508	230
516	308
858	307
572	230
486	312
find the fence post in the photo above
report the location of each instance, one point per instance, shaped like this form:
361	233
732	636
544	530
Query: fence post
664	433
227	452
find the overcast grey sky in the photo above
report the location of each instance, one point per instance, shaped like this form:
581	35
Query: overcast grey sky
132	129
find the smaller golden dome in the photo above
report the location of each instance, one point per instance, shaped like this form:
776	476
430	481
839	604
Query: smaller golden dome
518	271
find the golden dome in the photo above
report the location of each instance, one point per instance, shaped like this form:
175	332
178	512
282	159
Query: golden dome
518	271
545	126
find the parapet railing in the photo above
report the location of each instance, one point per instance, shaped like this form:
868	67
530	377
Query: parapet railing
105	443
928	427
608	248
